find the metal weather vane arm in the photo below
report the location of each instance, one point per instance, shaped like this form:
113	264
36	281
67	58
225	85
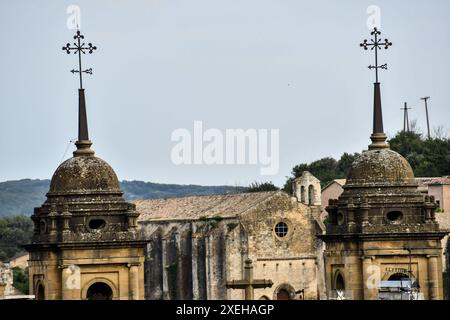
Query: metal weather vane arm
80	48
377	45
85	71
383	66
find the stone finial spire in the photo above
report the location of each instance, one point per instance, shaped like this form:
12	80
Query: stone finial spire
83	143
378	136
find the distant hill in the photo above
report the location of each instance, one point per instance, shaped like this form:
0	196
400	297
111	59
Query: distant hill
19	197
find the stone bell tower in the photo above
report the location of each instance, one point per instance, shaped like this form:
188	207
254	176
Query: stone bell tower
85	244
382	228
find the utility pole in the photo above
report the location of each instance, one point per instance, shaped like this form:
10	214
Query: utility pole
426	110
405	118
409	249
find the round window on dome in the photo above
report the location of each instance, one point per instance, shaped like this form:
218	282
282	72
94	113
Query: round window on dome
96	224
281	229
394	216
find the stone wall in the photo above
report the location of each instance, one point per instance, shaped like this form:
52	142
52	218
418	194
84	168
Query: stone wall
186	259
194	258
442	194
290	261
332	191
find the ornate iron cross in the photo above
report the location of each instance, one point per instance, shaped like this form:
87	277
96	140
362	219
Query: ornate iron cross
80	48
376	44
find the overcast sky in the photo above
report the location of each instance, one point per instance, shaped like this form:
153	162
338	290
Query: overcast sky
290	65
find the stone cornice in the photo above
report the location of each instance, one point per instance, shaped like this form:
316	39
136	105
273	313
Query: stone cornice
382	236
84	245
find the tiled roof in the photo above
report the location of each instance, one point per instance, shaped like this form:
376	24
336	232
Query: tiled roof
194	207
433	180
340	181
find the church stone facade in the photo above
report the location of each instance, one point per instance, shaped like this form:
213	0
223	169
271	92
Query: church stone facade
89	243
195	245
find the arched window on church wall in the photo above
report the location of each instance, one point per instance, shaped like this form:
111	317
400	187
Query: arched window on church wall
283	294
311	194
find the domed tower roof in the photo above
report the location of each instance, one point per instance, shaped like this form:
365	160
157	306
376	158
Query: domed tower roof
380	194
84	174
381	220
380	166
85	229
84	202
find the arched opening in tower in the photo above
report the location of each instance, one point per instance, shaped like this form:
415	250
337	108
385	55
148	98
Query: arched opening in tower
40	292
311	194
340	284
399	277
99	291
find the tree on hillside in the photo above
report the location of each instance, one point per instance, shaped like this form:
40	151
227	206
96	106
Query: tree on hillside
325	169
427	157
14	232
262	187
20	280
345	163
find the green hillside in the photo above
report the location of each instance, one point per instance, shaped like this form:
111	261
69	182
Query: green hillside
19	197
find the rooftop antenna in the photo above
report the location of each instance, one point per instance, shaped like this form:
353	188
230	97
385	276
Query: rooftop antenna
405	117
426	110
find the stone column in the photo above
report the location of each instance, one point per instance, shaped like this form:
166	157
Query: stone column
332	211
208	267
65	292
351	212
365	211
35	218
351	215
165	284
351	224
370	278
179	262
132	216
433	277
133	281
194	269
433	208
53	231
66	215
